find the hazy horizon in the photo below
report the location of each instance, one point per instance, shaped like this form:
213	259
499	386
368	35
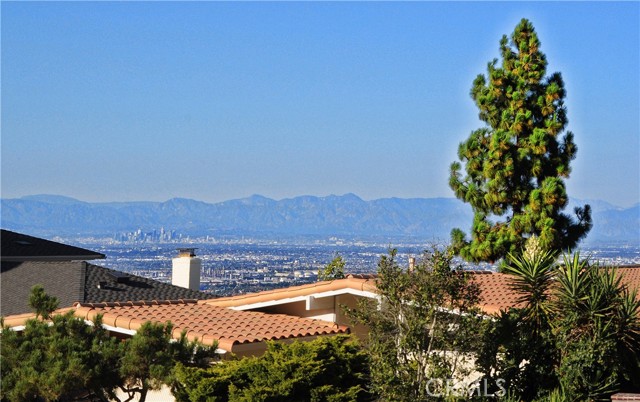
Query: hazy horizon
214	101
27	196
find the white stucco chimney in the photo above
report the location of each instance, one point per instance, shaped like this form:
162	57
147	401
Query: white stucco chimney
186	269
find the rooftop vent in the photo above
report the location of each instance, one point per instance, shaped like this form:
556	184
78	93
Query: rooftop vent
119	277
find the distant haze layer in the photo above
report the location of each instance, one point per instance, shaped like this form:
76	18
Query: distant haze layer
426	218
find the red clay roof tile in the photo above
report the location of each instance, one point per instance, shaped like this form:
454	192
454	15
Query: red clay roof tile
208	323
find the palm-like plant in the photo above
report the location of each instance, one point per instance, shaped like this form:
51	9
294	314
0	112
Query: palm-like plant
628	328
597	327
532	277
629	321
579	325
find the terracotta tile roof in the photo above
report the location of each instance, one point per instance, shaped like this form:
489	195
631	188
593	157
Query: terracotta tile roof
21	247
496	293
208	323
19	320
631	277
365	283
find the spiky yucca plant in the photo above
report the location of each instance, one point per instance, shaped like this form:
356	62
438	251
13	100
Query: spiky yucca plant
597	328
532	275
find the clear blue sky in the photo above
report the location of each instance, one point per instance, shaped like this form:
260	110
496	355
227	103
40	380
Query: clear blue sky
213	101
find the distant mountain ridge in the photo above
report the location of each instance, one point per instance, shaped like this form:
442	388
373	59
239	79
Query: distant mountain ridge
428	218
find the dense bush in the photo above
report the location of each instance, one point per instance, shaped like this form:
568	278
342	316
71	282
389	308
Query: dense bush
423	330
326	369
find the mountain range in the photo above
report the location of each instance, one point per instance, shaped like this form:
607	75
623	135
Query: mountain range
427	218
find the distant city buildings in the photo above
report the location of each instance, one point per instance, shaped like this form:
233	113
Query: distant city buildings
242	264
155	236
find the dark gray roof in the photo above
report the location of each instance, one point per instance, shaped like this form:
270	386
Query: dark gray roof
21	247
106	285
62	279
79	281
28	261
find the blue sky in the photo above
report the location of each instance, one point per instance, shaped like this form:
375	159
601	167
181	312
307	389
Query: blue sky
210	100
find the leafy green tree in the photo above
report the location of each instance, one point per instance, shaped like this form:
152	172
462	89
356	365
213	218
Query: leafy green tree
333	270
516	165
423	329
326	369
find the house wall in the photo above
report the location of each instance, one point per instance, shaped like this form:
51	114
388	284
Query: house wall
331	309
322	309
349	301
162	395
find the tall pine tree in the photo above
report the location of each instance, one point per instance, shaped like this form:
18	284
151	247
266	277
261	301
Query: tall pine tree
516	165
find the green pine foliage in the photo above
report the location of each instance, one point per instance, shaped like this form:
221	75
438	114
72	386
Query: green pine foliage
326	369
58	361
41	303
515	166
149	358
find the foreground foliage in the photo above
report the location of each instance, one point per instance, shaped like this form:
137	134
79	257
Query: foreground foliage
516	164
326	369
578	331
66	359
424	327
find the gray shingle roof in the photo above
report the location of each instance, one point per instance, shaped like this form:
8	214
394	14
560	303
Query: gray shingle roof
102	286
21	247
28	261
79	281
62	279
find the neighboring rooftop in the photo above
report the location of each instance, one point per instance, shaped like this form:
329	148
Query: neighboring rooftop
60	269
21	247
354	284
496	293
108	285
234	331
63	279
79	281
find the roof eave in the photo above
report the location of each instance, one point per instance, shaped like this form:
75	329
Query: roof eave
11	258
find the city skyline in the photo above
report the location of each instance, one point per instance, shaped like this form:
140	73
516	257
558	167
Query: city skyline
214	101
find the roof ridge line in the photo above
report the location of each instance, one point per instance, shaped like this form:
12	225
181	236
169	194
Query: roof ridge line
135	303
